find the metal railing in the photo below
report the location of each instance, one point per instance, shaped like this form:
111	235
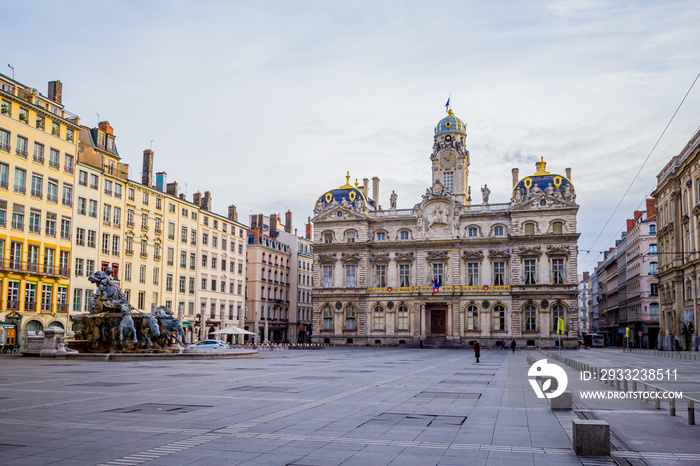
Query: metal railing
34	267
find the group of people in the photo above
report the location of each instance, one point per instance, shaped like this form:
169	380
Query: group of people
477	348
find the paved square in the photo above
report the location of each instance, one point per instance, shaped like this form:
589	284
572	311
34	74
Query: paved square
327	407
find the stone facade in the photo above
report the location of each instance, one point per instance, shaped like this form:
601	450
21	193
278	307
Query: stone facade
446	268
677	208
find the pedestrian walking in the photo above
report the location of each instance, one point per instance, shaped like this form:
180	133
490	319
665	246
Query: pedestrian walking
512	346
477	350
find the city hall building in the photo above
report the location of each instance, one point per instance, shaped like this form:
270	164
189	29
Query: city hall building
447	270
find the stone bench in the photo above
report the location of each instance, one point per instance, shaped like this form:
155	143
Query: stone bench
591	437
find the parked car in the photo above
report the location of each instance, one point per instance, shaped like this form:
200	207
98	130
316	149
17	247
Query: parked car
207	346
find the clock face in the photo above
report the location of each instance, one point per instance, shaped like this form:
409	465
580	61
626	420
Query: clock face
448	160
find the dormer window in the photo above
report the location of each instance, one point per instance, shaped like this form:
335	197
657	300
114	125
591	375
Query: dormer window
529	228
110	144
557	228
351	236
472	232
100	139
404	235
328	237
381	236
498	231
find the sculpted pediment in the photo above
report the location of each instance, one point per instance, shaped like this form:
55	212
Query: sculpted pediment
404	256
437	218
499	253
350	257
557	251
437	255
473	255
339	213
530	251
327	258
541	201
381	257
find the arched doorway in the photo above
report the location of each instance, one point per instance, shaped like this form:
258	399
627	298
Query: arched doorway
33	326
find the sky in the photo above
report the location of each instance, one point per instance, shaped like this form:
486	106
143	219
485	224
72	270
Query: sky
268	104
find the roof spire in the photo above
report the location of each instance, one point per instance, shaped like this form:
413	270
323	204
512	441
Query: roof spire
541	167
347	182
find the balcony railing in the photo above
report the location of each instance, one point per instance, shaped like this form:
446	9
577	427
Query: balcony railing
33	267
65	235
158	231
54	164
115	253
62	307
22	153
4	147
34	229
20	189
105	250
67	202
68	169
144	255
52	199
36	193
156	257
50	232
144	227
129	251
13	305
18	225
4	184
30	306
130	224
39	159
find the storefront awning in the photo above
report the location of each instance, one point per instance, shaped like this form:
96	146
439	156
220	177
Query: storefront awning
187	324
7	325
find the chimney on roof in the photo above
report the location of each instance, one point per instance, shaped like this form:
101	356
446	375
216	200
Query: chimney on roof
637	214
308	228
161	181
106	127
206	201
515	173
365	187
273	226
172	188
651	207
630	225
375	190
586	275
147	172
288	221
232	214
197	199
568	173
56	91
182	197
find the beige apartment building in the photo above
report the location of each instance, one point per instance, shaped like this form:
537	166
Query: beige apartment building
38	145
300	322
98	214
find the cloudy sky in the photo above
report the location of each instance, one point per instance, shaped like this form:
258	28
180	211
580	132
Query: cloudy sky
267	104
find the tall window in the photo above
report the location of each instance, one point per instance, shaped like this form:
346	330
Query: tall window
381	275
449	181
350	276
652	268
404	275
378	318
328	276
499	273
654	290
472	318
472	232
328	237
530	271
438	274
351	236
529	228
473	274
557	228
499	318
530	318
402	318
327	319
558	271
652	249
350	319
557	313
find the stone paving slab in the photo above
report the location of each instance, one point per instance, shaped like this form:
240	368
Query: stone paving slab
335	406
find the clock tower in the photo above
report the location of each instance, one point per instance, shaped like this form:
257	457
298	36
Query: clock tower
450	158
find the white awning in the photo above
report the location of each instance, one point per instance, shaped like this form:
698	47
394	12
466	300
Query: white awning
232	331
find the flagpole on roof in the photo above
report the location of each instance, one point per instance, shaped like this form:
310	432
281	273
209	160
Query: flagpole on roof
447	104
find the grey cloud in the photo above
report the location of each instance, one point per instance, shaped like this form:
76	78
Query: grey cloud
519	157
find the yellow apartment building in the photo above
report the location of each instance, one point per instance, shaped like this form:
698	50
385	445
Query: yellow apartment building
38	145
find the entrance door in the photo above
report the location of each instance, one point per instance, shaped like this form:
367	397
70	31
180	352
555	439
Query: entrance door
437	322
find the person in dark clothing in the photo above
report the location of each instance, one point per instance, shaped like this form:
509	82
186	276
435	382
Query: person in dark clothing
477	351
512	346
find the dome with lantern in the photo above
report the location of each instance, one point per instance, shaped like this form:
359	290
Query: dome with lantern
450	124
544	181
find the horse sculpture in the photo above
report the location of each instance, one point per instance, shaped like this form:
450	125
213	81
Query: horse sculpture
127	326
171	325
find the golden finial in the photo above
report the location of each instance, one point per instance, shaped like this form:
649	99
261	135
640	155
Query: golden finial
356	183
450	113
541	167
347	184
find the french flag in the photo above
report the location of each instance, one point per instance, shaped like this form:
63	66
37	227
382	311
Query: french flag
436	285
447	105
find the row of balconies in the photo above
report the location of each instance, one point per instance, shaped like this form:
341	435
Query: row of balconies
33	306
34	268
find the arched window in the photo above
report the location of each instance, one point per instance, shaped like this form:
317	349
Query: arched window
378	318
530	318
350	319
351	235
498	230
557	228
327	319
529	228
404	235
557	313
472	318
472	232
402	318
499	318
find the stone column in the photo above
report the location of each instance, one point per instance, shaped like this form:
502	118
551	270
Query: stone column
422	321
449	321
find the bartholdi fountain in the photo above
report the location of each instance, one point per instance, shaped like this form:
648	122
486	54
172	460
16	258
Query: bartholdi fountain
114	326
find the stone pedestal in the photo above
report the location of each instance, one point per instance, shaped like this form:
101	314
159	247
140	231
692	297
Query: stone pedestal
53	343
591	437
562	402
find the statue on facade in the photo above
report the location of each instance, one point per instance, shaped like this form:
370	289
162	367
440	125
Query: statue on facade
549	190
518	194
392	199
485	193
568	193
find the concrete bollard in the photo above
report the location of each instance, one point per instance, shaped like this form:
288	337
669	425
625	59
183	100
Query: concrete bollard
617	382
563	402
691	413
591	437
625	385
672	406
634	385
